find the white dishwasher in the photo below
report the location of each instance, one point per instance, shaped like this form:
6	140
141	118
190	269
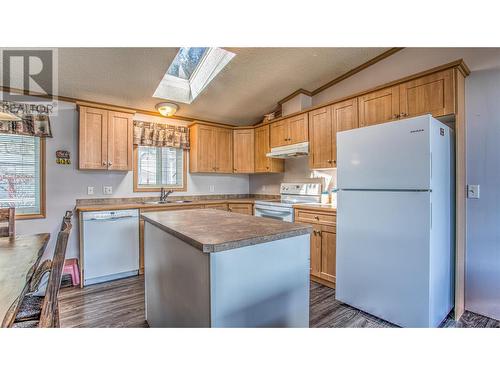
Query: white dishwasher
110	245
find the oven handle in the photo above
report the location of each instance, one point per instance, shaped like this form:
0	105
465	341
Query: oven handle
273	212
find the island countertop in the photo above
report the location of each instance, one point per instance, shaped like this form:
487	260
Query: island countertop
213	230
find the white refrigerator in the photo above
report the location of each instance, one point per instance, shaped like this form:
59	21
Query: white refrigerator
395	220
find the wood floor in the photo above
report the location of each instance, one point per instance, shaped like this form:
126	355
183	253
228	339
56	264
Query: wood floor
121	304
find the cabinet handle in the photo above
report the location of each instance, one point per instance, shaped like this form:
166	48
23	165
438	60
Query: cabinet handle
335	162
267	167
402	114
316	217
234	169
110	164
330	161
395	116
104	163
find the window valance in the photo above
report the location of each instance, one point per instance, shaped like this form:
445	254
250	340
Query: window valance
32	121
160	135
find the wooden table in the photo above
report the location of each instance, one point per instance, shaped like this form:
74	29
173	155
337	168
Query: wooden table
19	257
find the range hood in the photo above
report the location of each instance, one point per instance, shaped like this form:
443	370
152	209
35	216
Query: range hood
289	151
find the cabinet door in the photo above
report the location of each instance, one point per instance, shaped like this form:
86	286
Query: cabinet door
279	133
298	131
315	264
430	94
379	106
93	142
328	253
344	117
241	208
204	149
223	150
262	162
120	130
321	138
244	152
261	149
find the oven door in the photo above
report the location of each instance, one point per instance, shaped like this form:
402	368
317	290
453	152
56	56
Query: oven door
274	212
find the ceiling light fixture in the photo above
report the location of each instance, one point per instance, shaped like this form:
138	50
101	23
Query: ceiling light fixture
167	109
4	116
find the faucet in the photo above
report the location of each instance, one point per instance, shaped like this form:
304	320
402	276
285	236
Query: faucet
164	194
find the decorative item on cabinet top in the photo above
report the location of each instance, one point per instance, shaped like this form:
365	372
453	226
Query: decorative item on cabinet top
160	135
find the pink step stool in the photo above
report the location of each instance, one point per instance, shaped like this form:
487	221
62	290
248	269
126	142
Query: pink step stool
71	268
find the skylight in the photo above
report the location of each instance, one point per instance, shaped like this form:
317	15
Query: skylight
186	61
192	69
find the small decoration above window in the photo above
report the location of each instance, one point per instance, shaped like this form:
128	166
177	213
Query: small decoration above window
160	135
62	157
34	120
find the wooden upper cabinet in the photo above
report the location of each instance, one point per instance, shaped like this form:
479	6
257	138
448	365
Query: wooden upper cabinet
298	131
202	154
264	164
244	151
431	94
93	138
279	133
345	115
379	106
211	149
223	150
105	139
120	129
321	138
290	131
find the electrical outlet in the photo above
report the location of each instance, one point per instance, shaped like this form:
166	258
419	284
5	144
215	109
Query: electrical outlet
473	191
107	190
211	188
90	190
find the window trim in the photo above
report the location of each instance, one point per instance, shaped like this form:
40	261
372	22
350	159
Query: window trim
138	189
42	214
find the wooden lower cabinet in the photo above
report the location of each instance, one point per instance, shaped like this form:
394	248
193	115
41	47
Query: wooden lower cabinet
217	206
323	245
241	208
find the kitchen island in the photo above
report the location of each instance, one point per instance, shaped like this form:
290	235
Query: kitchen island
210	268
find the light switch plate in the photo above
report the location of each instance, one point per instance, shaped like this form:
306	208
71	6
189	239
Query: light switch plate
107	190
90	190
473	191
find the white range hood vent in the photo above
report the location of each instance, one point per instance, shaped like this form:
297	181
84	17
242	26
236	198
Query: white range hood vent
289	151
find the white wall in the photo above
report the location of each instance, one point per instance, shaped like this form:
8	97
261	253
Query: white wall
65	183
482	294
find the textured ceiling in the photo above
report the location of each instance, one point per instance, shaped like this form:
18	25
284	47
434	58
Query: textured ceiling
251	85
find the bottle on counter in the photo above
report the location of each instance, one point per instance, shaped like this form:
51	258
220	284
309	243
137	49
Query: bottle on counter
325	197
333	197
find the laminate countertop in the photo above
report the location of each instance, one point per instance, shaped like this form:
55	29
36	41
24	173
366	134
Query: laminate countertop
213	230
146	205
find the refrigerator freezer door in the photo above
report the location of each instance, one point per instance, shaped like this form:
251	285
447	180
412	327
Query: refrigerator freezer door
383	254
395	155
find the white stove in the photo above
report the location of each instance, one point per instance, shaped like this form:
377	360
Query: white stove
291	193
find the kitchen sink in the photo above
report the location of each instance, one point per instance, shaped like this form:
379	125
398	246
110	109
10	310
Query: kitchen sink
167	202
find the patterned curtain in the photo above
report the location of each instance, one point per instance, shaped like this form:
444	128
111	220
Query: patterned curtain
32	122
160	135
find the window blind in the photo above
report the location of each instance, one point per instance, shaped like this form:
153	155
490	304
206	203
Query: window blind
20	173
160	167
